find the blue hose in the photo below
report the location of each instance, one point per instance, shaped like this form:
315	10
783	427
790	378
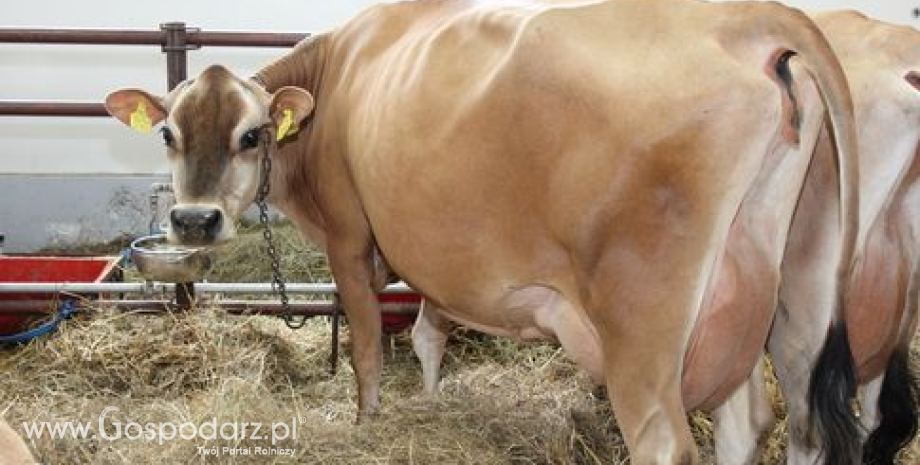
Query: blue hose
68	308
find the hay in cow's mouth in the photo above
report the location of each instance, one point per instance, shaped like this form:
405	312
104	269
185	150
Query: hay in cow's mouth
502	402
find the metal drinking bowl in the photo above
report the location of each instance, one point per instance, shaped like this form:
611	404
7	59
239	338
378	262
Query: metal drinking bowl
158	260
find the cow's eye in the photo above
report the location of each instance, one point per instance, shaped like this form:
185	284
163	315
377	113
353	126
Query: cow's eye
167	136
250	139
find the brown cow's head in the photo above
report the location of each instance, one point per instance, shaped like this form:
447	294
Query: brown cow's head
216	128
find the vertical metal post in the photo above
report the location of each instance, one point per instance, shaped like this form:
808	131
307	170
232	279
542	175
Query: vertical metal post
336	320
175	49
185	295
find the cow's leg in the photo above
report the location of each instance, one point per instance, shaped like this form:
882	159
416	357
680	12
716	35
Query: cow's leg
644	390
741	420
794	343
806	309
15	450
576	336
352	266
868	400
429	339
643	336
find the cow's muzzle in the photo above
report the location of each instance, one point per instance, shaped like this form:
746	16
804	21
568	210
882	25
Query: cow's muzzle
195	224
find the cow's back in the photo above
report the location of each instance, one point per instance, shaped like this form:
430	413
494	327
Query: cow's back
877	57
593	94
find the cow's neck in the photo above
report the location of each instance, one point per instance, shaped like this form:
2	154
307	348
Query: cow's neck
292	181
302	67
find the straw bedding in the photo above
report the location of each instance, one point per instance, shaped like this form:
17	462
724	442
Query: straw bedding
501	402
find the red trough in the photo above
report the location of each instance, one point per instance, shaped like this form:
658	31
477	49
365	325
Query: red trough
17	314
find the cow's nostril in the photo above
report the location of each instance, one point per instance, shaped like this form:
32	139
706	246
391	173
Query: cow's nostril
176	219
210	219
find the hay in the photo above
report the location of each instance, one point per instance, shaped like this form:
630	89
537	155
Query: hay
522	406
502	402
246	259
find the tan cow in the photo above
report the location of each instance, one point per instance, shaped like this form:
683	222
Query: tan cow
617	175
882	62
13	450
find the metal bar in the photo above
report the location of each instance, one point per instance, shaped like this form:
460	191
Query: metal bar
145	37
48	108
273	308
229	288
176	72
176	61
267	308
244	39
185	295
336	323
81	36
77	288
139	306
236	307
174	38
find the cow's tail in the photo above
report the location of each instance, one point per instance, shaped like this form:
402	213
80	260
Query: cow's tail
833	380
899	399
831	389
898	405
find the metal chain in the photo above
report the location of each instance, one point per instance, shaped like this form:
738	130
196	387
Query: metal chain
261	200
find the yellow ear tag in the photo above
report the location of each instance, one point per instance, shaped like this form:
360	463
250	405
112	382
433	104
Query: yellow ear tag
287	125
140	121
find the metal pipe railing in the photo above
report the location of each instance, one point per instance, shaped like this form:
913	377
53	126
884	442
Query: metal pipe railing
36	108
142	287
236	307
174	38
194	37
13	35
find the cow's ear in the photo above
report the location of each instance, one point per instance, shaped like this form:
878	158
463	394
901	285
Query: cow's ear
290	106
136	108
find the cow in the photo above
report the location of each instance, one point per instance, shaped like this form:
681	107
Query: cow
882	62
615	175
14	449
